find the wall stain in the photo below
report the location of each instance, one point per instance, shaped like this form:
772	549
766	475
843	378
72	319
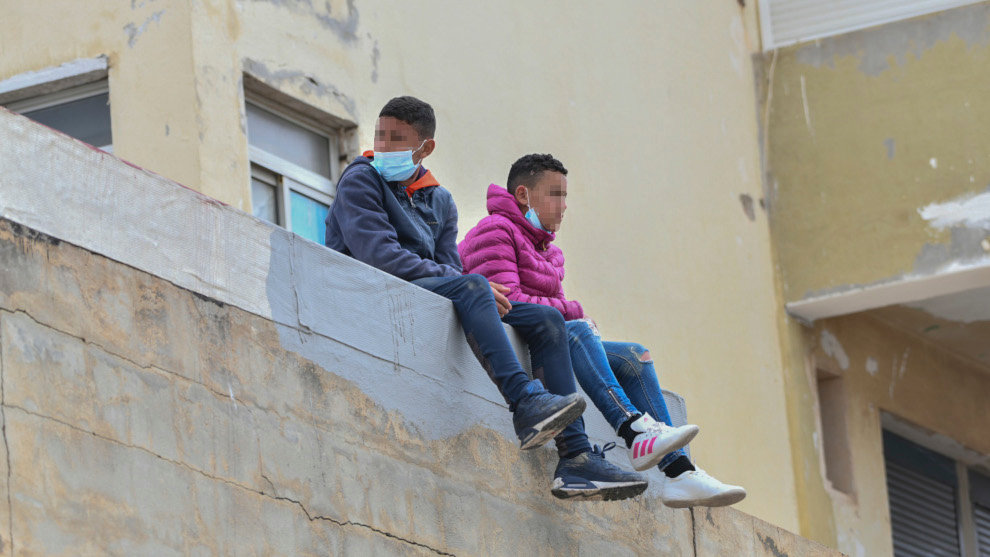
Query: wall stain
345	28
135	31
375	56
770	545
747	205
307	83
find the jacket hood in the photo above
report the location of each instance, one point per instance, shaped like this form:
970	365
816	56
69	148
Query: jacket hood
501	202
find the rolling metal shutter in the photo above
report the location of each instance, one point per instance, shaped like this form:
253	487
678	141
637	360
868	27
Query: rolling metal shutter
789	21
982	518
921	486
979	485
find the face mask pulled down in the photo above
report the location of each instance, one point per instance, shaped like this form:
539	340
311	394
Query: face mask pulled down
534	218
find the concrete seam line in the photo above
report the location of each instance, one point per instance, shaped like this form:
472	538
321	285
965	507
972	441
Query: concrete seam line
694	534
185	466
6	447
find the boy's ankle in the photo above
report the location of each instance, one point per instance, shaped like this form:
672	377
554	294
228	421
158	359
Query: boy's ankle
680	465
626	431
573	452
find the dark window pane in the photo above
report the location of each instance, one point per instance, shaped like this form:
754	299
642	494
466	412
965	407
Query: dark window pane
85	119
264	201
308	217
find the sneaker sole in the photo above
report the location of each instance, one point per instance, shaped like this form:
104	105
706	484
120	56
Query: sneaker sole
603	491
551	426
719	500
663	451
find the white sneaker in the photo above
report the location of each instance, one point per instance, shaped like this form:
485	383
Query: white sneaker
695	488
655	440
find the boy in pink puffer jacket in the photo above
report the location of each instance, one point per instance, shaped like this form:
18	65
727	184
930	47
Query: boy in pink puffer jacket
513	247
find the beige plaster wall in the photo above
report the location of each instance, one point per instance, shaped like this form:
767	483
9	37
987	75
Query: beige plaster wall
865	129
884	369
649	105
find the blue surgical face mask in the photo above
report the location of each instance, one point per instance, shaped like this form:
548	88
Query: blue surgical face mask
396	166
534	219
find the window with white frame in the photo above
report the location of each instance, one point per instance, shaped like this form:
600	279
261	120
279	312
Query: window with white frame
939	504
73	98
294	162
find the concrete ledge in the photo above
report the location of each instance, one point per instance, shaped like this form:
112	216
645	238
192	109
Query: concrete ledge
178	377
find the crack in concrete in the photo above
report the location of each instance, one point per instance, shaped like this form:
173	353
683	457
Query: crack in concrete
346	523
6	447
218	395
309	516
147	367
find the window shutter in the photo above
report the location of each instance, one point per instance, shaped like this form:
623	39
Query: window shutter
981	516
980	493
922	514
790	21
921	487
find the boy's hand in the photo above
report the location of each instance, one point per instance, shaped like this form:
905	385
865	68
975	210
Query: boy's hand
501	302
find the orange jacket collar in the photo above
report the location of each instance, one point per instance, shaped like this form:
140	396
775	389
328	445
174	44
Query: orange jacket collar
424	181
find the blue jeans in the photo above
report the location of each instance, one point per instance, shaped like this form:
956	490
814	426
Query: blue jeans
542	327
619	378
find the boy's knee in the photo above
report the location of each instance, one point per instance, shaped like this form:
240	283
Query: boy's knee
641	353
577	329
475	281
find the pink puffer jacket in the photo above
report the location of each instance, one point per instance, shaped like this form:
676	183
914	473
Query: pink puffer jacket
507	249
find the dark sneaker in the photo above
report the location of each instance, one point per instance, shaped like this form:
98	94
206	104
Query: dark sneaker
592	478
541	416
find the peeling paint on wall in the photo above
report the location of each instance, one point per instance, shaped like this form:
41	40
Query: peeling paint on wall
877	47
305	82
970	211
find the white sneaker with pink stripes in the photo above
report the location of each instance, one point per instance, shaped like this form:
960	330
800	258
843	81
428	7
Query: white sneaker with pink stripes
655	440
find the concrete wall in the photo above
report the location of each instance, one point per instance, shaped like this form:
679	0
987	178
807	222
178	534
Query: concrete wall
165	392
665	238
876	184
876	152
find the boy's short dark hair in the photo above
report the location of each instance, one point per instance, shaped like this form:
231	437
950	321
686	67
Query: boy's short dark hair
526	171
414	112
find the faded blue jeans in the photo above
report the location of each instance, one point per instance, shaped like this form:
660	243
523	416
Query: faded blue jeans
618	377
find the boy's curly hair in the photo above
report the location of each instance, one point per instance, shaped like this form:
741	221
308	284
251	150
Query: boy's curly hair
414	112
527	169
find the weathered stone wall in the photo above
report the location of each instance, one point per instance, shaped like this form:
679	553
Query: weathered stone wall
123	435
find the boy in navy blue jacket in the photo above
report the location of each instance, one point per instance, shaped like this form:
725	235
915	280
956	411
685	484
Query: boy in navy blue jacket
391	213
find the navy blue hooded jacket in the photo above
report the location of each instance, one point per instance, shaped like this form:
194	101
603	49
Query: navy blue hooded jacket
408	232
